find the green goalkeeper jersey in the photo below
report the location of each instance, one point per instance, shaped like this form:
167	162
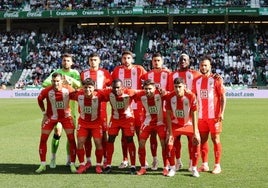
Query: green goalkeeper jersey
72	75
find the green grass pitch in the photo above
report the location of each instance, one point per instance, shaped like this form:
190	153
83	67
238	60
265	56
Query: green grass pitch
244	159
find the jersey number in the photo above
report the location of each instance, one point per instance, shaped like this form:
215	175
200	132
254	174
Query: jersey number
60	105
179	113
153	110
87	109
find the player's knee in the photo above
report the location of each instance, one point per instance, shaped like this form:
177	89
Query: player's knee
56	137
111	138
129	139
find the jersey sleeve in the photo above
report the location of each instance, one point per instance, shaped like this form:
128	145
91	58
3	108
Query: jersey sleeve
168	105
108	78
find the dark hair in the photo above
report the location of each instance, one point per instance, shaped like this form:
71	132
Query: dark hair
67	55
56	74
127	53
88	81
94	54
179	80
206	57
156	55
116	81
148	82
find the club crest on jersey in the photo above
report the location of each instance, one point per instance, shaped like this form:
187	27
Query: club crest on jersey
210	82
186	103
189	76
134	72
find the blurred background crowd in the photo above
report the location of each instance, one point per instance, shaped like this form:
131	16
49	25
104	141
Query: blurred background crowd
240	55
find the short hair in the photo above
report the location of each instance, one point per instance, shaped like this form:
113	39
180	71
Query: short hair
56	74
148	82
88	81
182	55
94	54
116	81
206	57
127	52
179	80
67	55
157	55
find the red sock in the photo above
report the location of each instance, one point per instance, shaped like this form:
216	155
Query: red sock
164	156
170	153
43	147
104	143
204	152
195	154
72	143
88	147
109	152
217	152
153	144
99	154
124	148
132	152
190	144
142	154
177	147
81	155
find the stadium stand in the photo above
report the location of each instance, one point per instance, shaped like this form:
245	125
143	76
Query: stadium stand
96	4
240	55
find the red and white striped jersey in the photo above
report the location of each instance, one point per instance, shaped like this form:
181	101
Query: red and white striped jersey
188	77
160	78
121	105
153	107
101	76
208	91
89	107
181	107
57	102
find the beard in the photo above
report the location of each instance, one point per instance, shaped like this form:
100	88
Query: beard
204	71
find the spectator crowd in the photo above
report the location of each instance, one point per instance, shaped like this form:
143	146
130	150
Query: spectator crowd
98	4
239	53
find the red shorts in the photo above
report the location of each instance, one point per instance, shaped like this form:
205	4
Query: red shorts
185	130
138	114
67	123
127	125
209	125
146	131
84	132
139	117
104	115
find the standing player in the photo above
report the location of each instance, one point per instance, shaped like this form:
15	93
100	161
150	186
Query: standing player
159	76
211	97
182	120
57	111
89	123
71	77
122	118
102	79
131	77
188	75
152	101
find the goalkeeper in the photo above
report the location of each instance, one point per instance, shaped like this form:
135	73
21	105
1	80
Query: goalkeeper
71	77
